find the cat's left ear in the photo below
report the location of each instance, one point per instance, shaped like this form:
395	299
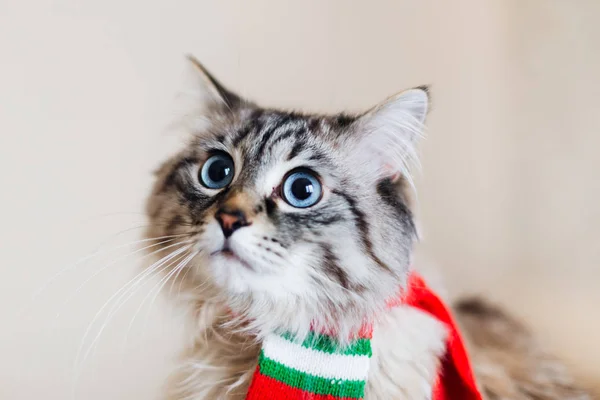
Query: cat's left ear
389	132
212	92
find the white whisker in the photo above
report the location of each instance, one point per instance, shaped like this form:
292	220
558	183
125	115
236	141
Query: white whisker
141	275
134	287
164	280
182	280
106	266
77	263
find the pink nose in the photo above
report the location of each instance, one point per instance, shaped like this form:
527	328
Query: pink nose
231	221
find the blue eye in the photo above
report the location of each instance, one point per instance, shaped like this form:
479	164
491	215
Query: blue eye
217	171
302	189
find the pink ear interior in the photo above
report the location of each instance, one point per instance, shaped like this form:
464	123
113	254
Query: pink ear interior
391	172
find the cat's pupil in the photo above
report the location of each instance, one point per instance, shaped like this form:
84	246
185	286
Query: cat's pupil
219	170
302	188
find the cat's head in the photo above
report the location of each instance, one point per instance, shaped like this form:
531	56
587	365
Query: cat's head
290	217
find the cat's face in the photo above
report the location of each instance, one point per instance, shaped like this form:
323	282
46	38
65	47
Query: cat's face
291	213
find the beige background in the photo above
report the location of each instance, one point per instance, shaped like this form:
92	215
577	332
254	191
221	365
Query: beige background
509	190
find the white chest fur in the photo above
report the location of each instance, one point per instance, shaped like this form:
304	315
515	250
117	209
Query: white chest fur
407	346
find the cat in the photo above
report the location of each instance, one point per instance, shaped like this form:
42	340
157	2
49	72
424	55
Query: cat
272	219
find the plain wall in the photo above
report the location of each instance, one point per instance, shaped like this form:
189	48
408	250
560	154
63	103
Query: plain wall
509	191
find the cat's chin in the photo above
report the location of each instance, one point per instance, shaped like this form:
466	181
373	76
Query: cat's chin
229	257
231	273
238	277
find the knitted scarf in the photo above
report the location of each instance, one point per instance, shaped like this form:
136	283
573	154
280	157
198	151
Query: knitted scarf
319	369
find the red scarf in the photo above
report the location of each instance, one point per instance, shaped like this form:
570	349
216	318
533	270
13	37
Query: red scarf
455	379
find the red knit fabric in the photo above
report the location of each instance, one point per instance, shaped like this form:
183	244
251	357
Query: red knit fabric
456	380
266	388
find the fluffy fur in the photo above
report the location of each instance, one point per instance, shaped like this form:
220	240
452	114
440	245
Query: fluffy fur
508	361
332	264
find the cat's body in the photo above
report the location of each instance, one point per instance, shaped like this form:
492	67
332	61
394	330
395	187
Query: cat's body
220	364
508	363
284	221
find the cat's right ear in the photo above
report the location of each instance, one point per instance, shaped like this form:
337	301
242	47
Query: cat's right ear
388	134
210	90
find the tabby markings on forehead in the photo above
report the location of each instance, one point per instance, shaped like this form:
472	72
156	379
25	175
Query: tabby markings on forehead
297	148
297	132
254	122
282	124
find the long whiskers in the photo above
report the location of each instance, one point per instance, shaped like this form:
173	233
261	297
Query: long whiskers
113	262
82	260
176	271
133	282
148	274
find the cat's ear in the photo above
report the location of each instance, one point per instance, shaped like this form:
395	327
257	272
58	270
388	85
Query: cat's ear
210	90
389	132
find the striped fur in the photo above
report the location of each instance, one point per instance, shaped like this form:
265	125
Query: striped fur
328	265
331	261
331	264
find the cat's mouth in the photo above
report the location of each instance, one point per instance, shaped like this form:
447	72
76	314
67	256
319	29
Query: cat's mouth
227	253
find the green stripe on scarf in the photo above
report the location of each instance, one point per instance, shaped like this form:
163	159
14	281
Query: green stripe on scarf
327	344
310	383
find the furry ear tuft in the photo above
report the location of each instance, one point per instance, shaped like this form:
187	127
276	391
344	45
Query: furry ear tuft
211	90
389	132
